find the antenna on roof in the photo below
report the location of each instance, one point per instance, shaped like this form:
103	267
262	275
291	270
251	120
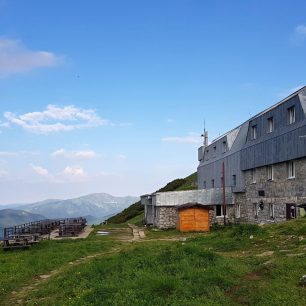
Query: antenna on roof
205	136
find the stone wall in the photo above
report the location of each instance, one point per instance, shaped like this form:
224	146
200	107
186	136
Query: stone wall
278	192
166	217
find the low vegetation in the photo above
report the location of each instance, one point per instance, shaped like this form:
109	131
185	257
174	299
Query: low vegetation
236	265
136	209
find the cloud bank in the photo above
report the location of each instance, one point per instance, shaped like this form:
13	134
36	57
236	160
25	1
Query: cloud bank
16	58
56	119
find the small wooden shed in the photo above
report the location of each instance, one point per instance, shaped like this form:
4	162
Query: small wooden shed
193	217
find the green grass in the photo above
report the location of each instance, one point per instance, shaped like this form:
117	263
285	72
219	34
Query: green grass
223	267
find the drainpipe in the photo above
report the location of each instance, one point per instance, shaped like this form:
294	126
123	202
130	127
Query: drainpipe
223	190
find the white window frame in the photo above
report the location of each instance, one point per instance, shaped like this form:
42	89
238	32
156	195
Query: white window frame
271	211
256	209
291	169
291	115
222	213
270	125
254	132
270	174
238	210
253	176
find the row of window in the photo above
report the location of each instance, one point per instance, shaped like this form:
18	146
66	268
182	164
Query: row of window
234	182
270	172
291	118
214	150
219	210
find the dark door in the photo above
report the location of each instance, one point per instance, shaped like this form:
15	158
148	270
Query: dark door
290	211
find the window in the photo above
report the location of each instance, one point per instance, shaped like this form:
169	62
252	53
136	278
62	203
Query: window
270	126
212	183
256	207
204	184
215	151
253	176
207	151
291	114
270	173
238	206
271	211
224	146
234	180
291	169
254	132
219	210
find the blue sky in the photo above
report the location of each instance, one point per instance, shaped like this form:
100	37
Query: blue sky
110	96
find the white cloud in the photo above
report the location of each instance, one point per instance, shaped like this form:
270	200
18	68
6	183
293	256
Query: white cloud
87	154
56	119
74	171
120	157
8	154
300	31
40	170
169	120
191	138
16	58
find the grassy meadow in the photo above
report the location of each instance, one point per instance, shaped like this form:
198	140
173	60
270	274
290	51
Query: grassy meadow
223	267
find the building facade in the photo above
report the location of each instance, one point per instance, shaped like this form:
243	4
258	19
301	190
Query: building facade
264	166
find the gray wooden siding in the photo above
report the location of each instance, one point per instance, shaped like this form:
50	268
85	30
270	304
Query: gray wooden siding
284	143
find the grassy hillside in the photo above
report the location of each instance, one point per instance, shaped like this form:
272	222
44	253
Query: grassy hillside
187	183
237	265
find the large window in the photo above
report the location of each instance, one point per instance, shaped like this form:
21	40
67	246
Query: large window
291	169
291	114
254	132
270	173
270	126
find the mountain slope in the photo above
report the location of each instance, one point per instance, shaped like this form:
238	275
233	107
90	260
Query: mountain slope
97	205
187	183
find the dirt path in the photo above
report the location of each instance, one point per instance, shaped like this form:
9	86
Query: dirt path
138	233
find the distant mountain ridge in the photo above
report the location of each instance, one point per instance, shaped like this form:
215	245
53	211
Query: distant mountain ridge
97	206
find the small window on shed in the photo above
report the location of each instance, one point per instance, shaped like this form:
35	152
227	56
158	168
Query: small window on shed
254	132
270	127
212	183
291	114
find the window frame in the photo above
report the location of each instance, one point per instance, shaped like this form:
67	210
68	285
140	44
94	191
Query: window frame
270	168
289	168
291	114
253	176
270	126
254	134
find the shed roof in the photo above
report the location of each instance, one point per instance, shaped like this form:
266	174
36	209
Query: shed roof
193	204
